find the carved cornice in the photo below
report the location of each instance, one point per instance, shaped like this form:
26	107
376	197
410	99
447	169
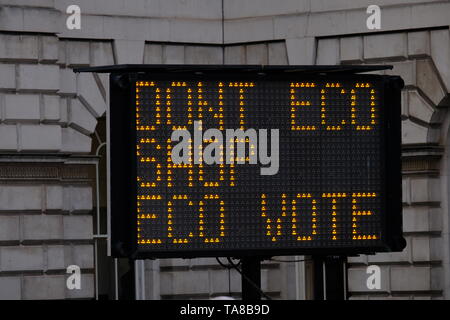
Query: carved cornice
34	167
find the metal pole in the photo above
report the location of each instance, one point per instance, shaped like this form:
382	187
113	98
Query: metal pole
251	278
318	278
116	280
97	195
139	279
336	287
330	278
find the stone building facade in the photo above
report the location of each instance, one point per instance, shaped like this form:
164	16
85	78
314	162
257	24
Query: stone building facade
52	132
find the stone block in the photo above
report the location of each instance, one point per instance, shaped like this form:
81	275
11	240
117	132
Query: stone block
102	53
437	279
248	30
203	55
351	49
185	282
257	54
425	15
301	51
40	137
44	287
406	70
235	281
385	46
45	20
334	23
62	53
194	9
436	252
158	30
64	109
103	83
421	251
277	53
195	31
8	142
38	77
10	288
11	18
20	198
90	95
418	43
56	257
129	51
22	107
359	259
405	104
78	198
235	55
328	52
49	49
153	53
176	262
270	280
42	227
83	256
419	108
413	133
440	51
9	229
21	48
406	190
54	197
77	227
80	118
7	76
51	108
219	282
417	219
435	219
23	258
68	81
289	27
74	141
410	278
78	53
428	81
203	262
425	190
248	8
173	54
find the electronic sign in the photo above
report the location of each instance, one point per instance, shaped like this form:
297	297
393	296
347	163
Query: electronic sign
234	163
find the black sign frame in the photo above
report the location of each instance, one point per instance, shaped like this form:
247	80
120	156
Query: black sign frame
123	157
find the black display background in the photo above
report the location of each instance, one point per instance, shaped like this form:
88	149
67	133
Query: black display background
311	162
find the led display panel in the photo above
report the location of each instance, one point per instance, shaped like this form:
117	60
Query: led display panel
318	169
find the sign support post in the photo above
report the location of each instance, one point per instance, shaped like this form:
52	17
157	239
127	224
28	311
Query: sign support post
330	277
251	278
